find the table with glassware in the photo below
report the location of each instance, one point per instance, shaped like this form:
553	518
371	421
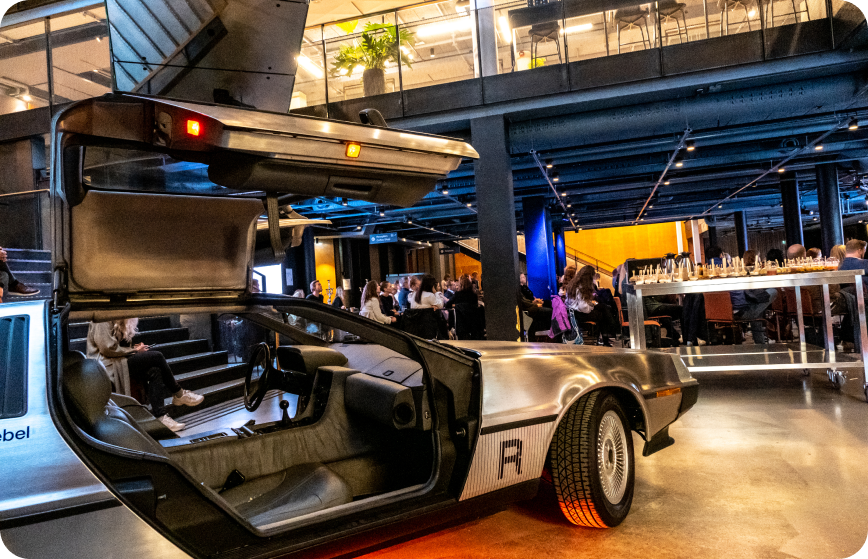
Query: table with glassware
842	369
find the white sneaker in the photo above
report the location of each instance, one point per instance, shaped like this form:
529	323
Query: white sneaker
188	398
173	425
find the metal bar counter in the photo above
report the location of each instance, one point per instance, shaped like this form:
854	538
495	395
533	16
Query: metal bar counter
774	356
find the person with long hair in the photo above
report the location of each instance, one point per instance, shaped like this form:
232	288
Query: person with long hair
339	298
425	297
465	293
580	299
111	344
371	304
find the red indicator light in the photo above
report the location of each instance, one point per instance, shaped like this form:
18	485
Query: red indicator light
354	150
194	128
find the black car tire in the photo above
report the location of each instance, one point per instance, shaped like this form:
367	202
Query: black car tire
592	464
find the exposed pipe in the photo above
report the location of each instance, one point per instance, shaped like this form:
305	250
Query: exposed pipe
672	157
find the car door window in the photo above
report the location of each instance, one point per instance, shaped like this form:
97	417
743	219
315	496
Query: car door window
13	366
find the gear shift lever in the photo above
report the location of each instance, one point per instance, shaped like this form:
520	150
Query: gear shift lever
285	421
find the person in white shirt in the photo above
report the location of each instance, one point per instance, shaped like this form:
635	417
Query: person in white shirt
425	298
371	304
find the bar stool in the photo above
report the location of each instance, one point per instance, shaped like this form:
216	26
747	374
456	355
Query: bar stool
541	33
628	18
795	12
668	10
725	6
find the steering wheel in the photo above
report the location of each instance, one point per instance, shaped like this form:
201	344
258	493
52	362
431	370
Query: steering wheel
256	379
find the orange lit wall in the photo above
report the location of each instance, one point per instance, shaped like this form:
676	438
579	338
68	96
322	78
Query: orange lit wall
615	245
466	265
324	252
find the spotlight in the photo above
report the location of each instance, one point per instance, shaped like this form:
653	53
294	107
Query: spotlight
410	221
563	193
815	219
689	145
358	227
549	164
666	183
343	203
853	124
445	192
555	177
818	147
569	205
811	212
781	170
650	207
679	162
432	52
720	207
469	205
382	214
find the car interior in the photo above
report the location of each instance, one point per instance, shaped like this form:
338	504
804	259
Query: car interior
314	424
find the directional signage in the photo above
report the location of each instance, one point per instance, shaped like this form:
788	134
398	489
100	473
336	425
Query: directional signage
382	238
450	250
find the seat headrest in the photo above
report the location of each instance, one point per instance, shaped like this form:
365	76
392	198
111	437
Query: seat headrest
86	386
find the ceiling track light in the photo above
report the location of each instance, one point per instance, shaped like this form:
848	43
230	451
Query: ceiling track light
678	162
818	147
689	145
549	164
555	177
853	124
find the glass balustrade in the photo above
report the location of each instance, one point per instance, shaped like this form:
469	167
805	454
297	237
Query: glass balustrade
23	68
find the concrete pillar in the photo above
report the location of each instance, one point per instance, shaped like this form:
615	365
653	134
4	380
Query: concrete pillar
560	250
484	38
712	235
792	208
829	198
741	232
497	240
698	256
539	247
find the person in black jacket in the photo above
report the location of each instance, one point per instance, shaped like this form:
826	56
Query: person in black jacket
339	298
470	316
464	295
387	300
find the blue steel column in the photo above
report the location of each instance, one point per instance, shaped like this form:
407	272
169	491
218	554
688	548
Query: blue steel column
498	245
539	245
560	250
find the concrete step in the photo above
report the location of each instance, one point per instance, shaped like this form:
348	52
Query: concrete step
78	330
29	266
215	394
211	376
190	363
28	254
44	293
166	335
31	278
180	349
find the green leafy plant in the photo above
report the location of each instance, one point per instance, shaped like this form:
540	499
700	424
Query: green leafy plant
376	46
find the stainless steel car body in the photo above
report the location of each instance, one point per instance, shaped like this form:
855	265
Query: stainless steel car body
527	388
49	500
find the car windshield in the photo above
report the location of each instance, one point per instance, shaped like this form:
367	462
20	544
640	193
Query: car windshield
131	170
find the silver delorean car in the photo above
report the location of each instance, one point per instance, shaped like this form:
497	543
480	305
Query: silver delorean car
323	433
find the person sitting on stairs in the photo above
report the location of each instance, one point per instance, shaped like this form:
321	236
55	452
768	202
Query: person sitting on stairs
110	343
8	283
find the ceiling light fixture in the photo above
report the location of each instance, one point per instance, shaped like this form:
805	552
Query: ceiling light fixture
781	170
853	124
445	192
432	52
666	183
818	147
382	214
690	145
679	162
549	164
555	177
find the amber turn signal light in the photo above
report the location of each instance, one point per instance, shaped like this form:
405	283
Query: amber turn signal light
194	128
354	150
669	392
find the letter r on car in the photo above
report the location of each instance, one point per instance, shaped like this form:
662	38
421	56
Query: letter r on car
513	458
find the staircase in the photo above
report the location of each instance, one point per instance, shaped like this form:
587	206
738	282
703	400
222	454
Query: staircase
195	366
32	267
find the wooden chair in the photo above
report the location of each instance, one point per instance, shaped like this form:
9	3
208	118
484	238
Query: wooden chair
653	325
807	306
718	310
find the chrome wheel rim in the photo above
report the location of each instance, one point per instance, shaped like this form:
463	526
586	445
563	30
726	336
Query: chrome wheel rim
612	457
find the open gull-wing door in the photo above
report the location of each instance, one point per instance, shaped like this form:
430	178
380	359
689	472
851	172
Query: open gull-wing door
162	198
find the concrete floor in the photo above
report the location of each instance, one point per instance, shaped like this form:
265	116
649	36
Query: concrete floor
765	466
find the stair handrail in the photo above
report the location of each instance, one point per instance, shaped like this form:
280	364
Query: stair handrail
25	193
602	267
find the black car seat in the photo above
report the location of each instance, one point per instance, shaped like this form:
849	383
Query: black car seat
137	411
87	392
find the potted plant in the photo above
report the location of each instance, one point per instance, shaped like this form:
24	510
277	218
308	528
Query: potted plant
377	45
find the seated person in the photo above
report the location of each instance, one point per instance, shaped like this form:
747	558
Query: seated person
388	304
854	259
526	291
8	283
541	316
316	292
464	295
371	304
814	253
425	297
580	299
339	298
109	343
751	304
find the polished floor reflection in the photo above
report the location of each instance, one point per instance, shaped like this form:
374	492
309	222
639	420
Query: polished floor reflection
767	465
